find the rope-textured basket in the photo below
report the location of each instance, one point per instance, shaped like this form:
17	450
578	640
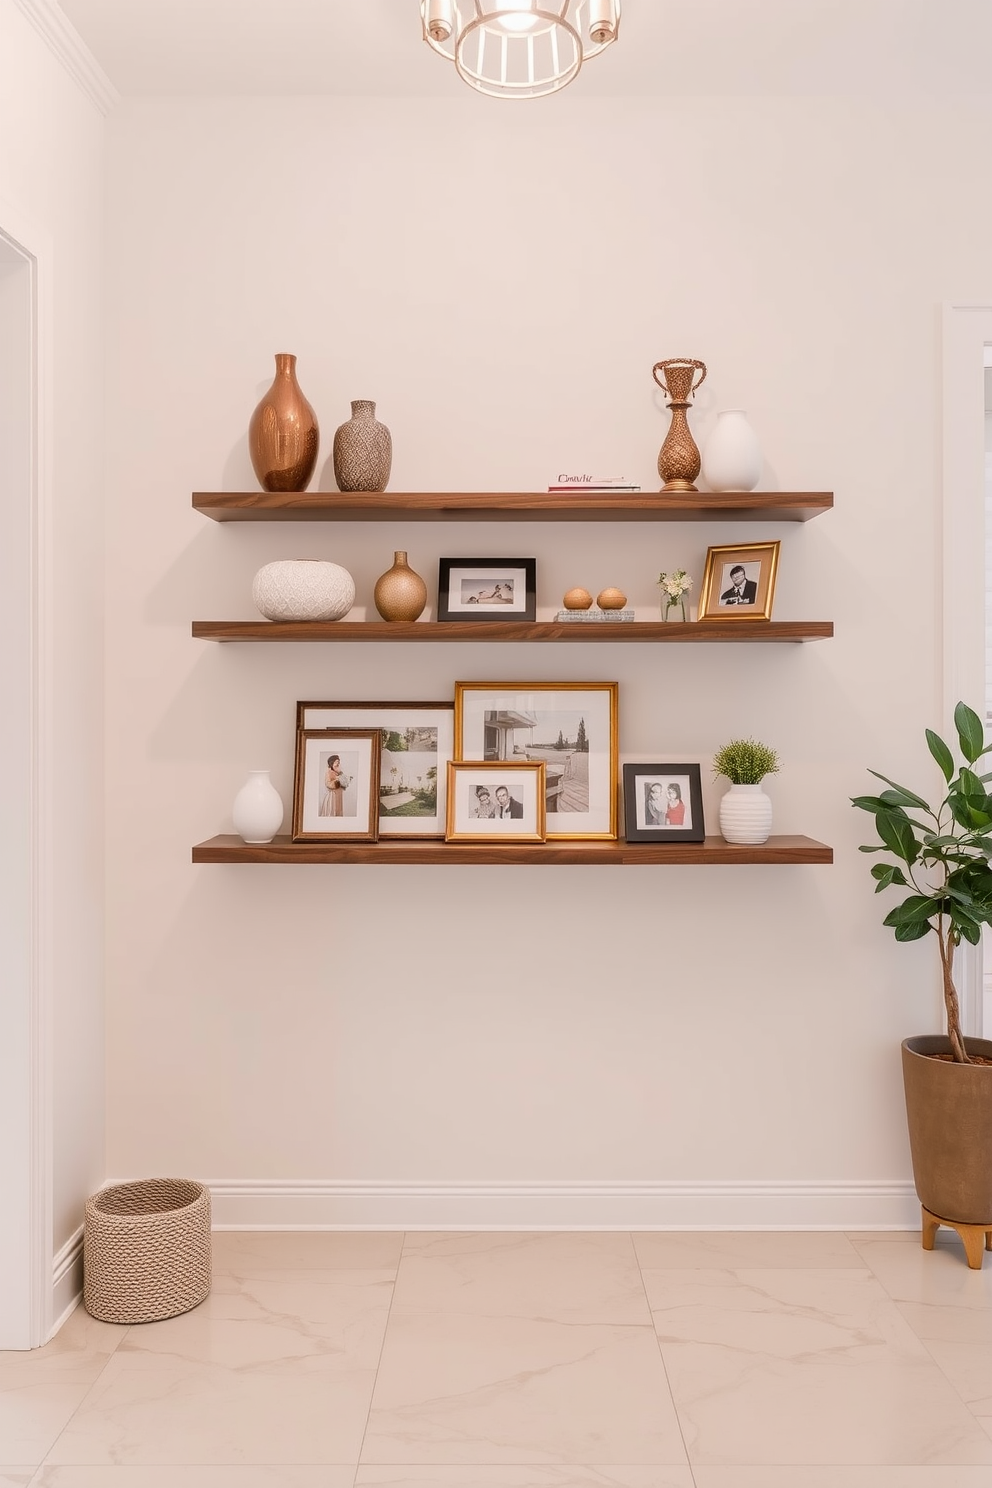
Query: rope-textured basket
146	1250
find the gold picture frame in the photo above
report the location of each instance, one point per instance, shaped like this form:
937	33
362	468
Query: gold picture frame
498	801
726	595
571	726
336	785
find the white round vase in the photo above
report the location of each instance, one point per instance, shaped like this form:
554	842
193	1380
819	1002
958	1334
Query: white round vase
732	454
745	814
303	589
257	808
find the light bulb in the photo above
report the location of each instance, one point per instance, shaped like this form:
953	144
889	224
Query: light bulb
439	22
602	22
514	16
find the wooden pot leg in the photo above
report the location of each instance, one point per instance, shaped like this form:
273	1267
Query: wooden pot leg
973	1237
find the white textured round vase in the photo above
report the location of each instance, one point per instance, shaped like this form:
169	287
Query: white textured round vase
303	589
732	454
745	814
257	808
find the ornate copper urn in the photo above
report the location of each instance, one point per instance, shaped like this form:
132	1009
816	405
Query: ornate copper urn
678	458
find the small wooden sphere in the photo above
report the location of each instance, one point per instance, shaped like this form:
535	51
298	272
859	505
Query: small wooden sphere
578	599
611	599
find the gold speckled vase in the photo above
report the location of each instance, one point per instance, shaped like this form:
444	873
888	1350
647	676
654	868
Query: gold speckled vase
400	594
363	451
283	434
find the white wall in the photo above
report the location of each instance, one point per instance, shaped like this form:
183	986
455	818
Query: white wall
501	282
51	176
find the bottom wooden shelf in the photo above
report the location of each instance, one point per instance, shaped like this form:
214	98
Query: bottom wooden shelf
231	849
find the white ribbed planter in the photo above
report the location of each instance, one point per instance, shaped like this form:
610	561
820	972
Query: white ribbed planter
303	589
732	454
745	815
257	809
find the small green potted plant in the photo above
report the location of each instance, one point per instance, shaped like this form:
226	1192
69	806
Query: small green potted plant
941	856
745	810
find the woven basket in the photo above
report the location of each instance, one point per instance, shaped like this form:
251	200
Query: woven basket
146	1250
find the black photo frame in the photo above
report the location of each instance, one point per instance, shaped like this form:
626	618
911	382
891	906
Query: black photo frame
653	793
480	589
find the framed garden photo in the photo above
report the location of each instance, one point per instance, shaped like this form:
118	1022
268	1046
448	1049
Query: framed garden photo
739	582
569	726
417	743
336	787
662	803
487	589
502	801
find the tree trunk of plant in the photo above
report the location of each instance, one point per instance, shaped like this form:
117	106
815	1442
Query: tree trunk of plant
951	1004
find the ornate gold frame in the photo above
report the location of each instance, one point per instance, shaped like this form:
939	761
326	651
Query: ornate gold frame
766	554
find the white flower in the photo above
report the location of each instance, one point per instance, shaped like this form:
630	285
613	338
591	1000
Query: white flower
675	584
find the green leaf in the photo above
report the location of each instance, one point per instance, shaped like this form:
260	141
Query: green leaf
941	754
888	874
912	931
879	847
909	797
869	803
972	933
971	734
896	831
916	907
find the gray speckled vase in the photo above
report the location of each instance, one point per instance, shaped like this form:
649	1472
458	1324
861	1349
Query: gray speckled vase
363	451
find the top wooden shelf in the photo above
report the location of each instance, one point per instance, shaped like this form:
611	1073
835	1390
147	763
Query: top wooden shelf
510	506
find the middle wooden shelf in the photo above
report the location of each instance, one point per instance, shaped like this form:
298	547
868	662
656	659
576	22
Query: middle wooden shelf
693	632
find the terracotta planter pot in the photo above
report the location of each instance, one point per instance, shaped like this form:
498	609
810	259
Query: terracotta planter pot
949	1110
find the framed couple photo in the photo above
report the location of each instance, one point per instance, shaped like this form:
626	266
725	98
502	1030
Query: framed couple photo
662	803
568	727
739	582
498	802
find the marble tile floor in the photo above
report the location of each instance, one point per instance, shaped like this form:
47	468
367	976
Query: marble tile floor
527	1360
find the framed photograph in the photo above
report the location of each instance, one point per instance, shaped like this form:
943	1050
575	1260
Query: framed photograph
499	802
739	582
417	743
336	787
570	727
662	803
487	589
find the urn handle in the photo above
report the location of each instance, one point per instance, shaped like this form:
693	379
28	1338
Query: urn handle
684	387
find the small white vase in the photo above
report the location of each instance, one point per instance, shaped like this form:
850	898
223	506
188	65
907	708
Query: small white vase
745	814
257	808
303	589
732	454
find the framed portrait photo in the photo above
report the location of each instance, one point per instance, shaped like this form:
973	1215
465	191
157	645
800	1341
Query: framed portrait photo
487	589
739	582
417	743
570	727
336	786
662	803
499	802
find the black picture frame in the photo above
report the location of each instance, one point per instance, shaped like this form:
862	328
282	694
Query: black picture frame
644	785
467	589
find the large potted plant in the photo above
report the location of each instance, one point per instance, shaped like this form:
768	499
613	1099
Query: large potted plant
941	856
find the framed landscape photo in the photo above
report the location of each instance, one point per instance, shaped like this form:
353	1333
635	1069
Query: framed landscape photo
662	803
739	582
569	726
417	743
487	589
499	802
336	786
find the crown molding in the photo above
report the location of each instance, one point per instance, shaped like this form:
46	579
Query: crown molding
62	38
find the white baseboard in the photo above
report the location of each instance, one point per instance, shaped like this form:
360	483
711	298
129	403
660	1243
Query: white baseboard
67	1279
259	1204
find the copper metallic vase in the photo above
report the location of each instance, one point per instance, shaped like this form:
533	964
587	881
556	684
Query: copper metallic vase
283	435
400	594
678	459
363	451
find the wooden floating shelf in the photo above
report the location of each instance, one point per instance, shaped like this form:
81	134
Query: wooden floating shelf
781	850
510	506
512	630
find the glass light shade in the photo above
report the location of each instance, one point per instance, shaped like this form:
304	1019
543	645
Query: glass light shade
519	48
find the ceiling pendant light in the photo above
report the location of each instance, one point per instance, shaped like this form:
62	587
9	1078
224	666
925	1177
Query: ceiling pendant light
519	48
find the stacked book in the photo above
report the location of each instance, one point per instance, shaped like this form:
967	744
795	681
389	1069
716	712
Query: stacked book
594	614
587	485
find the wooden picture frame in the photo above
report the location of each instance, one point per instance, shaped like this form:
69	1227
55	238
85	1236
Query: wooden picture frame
479	589
407	782
571	726
496	801
336	785
739	582
663	803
